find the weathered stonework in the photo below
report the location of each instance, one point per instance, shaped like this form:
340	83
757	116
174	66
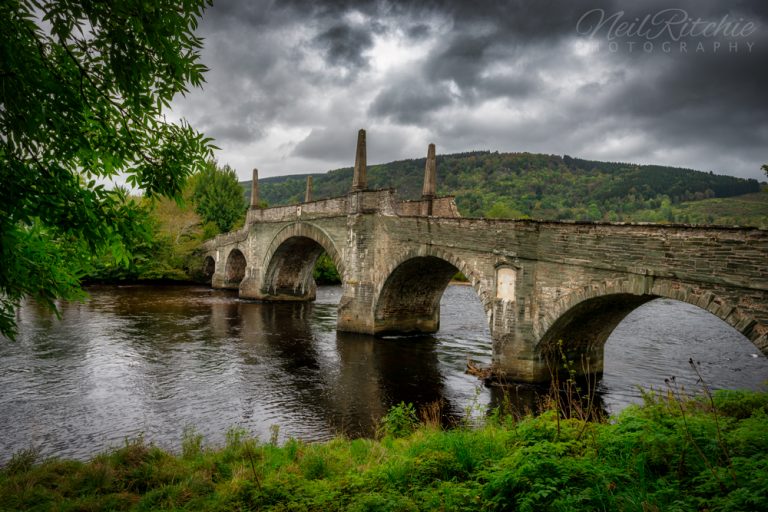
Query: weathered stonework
539	282
359	181
435	206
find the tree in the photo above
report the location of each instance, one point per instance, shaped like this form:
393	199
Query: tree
325	271
765	169
83	91
501	210
218	196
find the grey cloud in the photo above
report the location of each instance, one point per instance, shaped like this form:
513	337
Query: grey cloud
509	86
410	100
344	44
517	21
337	144
235	132
462	60
326	144
718	98
418	31
486	33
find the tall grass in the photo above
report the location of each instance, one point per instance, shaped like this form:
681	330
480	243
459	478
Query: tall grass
675	452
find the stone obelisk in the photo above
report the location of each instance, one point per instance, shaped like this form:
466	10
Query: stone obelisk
308	192
255	189
430	175
358	179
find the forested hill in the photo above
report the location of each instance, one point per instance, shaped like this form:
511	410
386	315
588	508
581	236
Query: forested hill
524	184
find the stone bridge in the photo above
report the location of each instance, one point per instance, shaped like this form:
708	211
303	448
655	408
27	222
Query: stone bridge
539	281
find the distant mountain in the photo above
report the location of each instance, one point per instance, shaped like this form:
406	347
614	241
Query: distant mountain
508	185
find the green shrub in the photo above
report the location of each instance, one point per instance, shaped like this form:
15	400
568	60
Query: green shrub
382	502
400	421
21	461
740	404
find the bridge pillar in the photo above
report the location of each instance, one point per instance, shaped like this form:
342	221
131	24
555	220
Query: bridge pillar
531	346
355	311
217	279
250	286
515	354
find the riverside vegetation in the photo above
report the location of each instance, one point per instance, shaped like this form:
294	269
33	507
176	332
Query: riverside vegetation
674	452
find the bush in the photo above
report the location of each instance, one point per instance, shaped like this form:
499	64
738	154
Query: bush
400	421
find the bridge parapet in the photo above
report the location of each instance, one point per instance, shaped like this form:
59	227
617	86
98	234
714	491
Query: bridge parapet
224	239
382	202
314	209
430	207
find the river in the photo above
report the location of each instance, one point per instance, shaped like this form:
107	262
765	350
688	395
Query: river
154	361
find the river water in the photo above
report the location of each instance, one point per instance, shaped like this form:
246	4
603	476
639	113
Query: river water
154	361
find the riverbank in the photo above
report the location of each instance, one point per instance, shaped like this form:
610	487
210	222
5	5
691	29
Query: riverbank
669	454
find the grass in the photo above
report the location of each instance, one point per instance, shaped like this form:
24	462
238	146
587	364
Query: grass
673	453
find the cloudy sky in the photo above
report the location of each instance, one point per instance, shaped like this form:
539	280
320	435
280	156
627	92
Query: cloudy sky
681	83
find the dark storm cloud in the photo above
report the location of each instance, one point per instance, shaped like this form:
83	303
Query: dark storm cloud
525	21
344	45
496	75
419	31
463	59
410	100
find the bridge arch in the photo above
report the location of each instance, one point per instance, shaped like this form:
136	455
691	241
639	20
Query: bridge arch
234	270
408	298
290	259
584	319
209	267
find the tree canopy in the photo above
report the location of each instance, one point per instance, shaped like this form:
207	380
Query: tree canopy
218	196
84	87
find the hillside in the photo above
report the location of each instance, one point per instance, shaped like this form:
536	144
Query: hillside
746	210
508	185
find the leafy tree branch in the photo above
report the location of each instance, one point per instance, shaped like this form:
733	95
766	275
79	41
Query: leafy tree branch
84	87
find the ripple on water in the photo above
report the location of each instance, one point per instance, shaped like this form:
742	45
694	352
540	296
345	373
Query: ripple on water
149	360
657	340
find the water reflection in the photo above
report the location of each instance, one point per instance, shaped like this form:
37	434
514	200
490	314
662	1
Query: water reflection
376	374
148	360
